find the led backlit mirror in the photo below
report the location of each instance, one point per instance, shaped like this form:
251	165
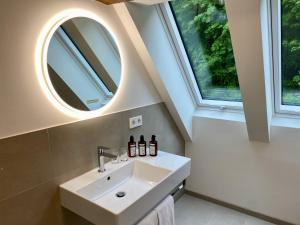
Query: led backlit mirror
84	64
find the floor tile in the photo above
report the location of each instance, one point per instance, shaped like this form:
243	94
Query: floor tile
254	221
224	216
190	210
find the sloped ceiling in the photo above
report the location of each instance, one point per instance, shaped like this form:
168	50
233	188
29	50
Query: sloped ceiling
109	2
145	2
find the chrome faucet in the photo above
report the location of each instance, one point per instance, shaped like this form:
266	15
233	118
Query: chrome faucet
101	150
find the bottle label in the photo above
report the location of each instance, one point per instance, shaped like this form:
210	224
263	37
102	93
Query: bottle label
152	149
132	150
142	148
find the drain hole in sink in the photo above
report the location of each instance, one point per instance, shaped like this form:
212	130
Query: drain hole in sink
120	194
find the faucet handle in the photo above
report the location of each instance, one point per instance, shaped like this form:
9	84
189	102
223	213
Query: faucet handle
102	148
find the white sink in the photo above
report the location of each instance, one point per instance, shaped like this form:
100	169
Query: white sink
134	179
144	182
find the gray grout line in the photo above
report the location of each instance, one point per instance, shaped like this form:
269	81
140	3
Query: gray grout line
24	191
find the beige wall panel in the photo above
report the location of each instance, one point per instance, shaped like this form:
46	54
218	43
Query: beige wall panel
24	107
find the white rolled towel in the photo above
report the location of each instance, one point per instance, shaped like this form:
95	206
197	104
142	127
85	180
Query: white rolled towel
165	212
150	219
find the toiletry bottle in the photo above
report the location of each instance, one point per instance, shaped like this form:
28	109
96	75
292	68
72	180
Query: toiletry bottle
131	147
142	146
153	146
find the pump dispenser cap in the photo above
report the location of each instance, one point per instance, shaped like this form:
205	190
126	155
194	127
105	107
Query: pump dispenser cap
153	138
131	138
142	137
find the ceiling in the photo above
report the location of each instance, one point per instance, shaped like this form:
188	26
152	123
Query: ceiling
145	2
109	2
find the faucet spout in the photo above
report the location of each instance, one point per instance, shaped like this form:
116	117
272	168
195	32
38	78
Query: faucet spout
101	150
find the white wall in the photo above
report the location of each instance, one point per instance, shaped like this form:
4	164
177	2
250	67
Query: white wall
179	98
23	105
245	24
263	177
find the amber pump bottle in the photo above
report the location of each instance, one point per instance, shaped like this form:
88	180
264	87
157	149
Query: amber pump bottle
131	147
153	146
142	146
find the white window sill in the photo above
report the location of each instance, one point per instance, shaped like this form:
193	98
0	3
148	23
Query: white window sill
230	115
290	121
278	120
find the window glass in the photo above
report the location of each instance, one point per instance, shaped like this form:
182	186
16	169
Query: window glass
290	52
204	30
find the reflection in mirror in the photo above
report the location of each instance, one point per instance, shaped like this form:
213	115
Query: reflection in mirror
84	64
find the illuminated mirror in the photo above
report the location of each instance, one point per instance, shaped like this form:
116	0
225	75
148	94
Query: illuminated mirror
84	64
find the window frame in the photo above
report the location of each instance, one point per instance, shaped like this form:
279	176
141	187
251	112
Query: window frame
176	42
75	54
279	108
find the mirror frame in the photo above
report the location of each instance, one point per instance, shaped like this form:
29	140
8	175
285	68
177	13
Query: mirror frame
42	68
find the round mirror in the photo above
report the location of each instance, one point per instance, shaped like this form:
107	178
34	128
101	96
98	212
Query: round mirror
84	65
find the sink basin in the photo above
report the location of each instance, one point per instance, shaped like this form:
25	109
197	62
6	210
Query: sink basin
134	180
126	191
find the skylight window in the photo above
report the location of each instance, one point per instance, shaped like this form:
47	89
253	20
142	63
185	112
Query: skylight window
290	49
286	53
204	30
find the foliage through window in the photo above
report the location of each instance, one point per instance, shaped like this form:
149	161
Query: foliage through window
204	30
290	52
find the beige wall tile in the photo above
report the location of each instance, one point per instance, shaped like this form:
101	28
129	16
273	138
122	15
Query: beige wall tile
38	206
24	162
33	165
157	121
73	147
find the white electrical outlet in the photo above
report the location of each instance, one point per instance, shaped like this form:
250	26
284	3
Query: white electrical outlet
136	121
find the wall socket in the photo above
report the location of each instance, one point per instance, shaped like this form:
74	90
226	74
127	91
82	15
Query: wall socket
136	121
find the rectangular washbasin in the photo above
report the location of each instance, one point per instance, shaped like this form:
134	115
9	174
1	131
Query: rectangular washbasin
125	192
133	180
